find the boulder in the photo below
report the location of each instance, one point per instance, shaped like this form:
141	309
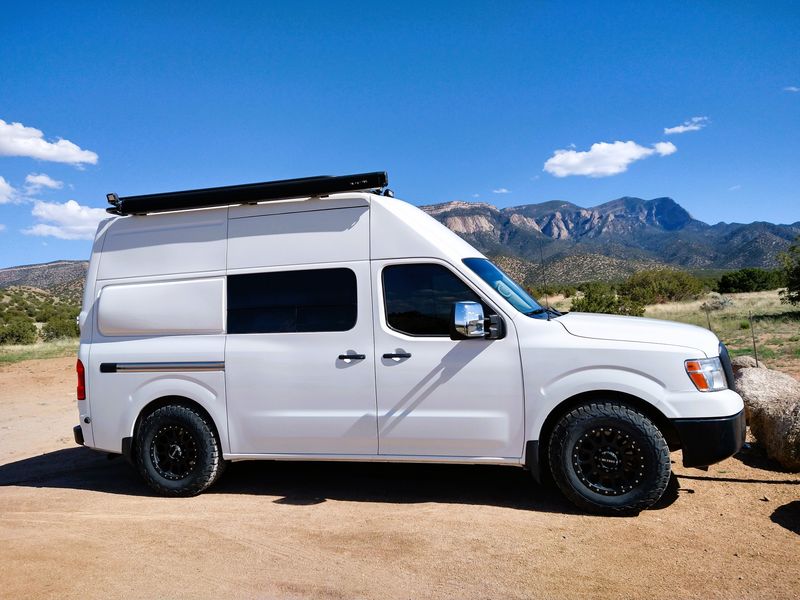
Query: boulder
772	402
745	362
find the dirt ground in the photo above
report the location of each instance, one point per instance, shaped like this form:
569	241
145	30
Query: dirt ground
74	524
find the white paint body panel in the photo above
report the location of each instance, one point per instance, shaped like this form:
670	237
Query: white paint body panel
289	392
286	396
332	235
189	306
171	243
450	398
636	329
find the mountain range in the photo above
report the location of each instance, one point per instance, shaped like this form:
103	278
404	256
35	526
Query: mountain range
620	237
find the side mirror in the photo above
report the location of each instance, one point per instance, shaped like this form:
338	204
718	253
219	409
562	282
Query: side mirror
467	321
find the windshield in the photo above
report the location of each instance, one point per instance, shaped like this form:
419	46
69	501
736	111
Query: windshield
506	287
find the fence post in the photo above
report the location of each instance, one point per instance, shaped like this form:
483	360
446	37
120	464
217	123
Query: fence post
753	334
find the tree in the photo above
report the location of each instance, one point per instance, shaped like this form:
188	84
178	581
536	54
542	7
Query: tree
18	330
657	286
602	298
60	327
791	269
750	280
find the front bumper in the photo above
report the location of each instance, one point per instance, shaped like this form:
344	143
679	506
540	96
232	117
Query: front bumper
78	433
709	440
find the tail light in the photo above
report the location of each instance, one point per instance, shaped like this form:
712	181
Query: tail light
81	380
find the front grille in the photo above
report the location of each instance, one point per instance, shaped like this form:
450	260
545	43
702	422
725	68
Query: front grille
725	359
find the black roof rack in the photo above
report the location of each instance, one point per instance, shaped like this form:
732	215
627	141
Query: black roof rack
246	194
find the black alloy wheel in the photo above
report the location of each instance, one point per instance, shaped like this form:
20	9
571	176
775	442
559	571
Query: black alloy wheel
609	458
177	451
173	451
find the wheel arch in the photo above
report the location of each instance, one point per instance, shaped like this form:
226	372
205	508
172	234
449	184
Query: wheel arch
536	459
129	443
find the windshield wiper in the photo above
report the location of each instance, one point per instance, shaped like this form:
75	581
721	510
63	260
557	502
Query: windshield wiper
540	311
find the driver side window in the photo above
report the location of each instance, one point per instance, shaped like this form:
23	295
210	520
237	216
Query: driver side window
419	298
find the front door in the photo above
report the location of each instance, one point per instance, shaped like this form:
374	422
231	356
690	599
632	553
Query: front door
299	362
436	396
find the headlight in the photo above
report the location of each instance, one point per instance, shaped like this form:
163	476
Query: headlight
706	374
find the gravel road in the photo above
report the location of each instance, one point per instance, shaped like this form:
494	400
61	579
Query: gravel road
75	524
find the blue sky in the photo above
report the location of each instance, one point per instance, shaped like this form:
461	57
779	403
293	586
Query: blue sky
508	103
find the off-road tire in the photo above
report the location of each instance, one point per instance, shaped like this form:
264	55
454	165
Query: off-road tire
194	466
608	458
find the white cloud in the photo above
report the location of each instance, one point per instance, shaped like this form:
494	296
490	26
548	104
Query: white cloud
603	158
2	227
7	192
791	88
693	124
734	188
36	181
18	140
665	148
68	221
476	195
501	191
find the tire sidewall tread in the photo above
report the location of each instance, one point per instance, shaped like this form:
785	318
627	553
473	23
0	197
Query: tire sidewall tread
594	414
210	460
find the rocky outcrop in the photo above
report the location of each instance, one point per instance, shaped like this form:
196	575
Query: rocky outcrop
469	224
657	230
772	400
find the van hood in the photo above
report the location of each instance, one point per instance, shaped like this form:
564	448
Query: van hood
638	329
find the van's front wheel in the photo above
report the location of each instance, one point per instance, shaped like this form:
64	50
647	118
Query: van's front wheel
177	451
608	458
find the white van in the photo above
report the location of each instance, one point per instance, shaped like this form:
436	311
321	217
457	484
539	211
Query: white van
320	319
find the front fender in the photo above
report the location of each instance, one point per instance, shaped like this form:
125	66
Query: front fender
592	379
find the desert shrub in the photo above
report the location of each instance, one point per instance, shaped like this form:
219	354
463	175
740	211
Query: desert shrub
569	291
60	328
791	271
18	330
603	298
751	280
716	301
657	286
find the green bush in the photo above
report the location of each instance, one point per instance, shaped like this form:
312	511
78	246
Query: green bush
751	280
603	298
657	286
60	328
791	272
18	330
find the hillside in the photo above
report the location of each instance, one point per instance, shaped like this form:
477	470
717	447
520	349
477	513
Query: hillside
614	238
62	278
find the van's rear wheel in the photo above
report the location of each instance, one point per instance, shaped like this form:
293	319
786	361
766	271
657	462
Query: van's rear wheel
608	458
177	452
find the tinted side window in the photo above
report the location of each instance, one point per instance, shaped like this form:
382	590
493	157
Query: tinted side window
419	298
292	301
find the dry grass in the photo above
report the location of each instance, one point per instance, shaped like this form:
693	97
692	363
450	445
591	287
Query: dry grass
54	349
776	326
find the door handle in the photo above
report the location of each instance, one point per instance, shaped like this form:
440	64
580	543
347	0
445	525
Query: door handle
397	355
352	356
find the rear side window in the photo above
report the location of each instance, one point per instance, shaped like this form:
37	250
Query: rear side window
292	301
419	298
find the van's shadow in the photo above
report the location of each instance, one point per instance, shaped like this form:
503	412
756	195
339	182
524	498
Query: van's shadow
305	483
